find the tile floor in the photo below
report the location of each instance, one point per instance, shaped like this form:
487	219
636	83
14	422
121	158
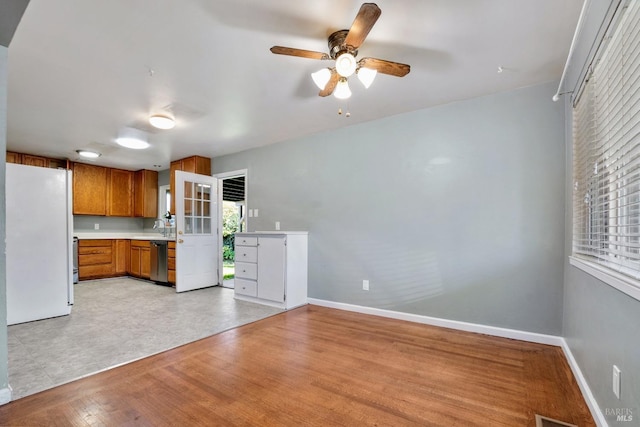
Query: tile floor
116	321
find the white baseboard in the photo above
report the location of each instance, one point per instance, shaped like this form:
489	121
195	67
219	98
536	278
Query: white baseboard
515	334
596	413
445	323
5	395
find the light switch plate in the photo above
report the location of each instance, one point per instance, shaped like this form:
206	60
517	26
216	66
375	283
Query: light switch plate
250	213
255	213
277	225
365	285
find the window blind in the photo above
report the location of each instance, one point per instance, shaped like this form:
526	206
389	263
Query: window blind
606	153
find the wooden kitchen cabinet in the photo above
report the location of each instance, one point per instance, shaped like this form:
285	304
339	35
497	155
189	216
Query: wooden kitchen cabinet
29	160
89	189
171	262
140	259
145	194
95	259
194	164
121	257
119	192
14	157
101	258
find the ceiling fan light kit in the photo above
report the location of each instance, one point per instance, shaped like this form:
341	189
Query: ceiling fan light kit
321	77
366	76
342	90
343	48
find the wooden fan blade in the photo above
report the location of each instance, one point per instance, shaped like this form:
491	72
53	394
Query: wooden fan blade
331	84
365	19
280	50
385	67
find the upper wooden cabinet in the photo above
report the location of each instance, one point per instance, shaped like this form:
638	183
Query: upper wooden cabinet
89	189
120	193
145	194
14	157
193	164
28	159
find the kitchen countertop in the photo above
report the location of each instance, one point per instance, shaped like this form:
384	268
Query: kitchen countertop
127	236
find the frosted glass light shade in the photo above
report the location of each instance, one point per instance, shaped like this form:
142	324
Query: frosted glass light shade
366	76
346	64
321	77
342	90
162	122
88	154
133	143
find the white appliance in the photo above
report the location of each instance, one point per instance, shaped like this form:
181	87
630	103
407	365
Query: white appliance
39	243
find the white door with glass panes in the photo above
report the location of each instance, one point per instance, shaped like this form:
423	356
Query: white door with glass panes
196	231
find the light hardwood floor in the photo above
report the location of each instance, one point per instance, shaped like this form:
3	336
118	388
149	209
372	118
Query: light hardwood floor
325	367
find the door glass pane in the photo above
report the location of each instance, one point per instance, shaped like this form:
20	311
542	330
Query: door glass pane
206	225
188	227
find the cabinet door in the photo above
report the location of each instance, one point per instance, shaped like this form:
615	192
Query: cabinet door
89	189
145	194
30	160
271	268
145	263
121	258
134	268
14	157
120	193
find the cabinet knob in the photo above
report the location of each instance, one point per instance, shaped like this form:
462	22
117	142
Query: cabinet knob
244	254
244	271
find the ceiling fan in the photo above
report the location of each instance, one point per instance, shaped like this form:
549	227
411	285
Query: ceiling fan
343	48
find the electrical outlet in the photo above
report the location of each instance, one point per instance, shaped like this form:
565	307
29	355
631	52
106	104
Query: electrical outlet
365	285
277	225
616	381
96	226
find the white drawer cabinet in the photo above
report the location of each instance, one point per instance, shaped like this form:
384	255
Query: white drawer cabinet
271	268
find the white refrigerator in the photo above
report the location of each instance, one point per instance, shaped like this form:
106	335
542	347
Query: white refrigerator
39	226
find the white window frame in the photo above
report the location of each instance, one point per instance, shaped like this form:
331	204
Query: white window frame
604	244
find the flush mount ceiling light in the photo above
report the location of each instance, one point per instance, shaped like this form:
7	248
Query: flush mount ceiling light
133	143
162	121
88	154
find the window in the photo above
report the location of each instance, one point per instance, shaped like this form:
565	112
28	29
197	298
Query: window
606	153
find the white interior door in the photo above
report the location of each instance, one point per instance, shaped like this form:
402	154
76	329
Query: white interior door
196	231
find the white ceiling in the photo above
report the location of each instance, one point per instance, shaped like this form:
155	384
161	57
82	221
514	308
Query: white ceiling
80	71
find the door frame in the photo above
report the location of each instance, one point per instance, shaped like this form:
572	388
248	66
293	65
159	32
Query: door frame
222	176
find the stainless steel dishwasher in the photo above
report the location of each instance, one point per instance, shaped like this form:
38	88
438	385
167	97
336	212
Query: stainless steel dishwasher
159	261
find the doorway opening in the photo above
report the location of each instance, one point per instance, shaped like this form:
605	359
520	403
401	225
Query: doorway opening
233	218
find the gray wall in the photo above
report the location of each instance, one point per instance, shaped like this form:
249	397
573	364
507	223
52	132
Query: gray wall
600	323
453	212
4	373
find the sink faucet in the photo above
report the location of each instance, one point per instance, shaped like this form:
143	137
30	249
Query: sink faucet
164	226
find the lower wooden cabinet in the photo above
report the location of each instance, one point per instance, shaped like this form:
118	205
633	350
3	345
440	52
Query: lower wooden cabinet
140	259
100	258
171	262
